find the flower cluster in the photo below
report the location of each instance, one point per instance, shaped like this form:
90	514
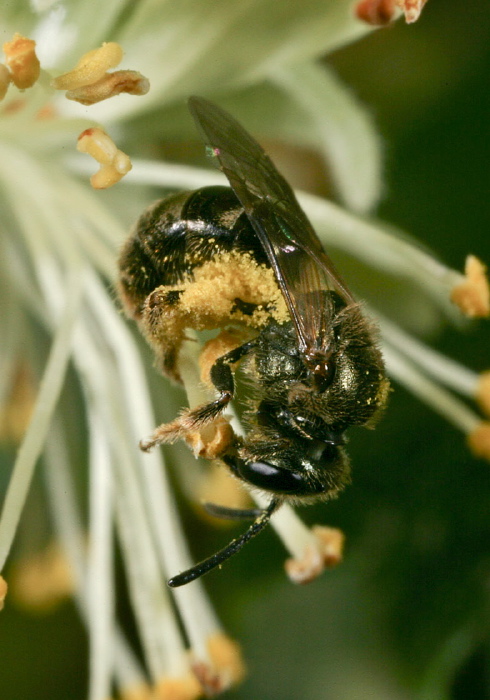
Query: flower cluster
58	250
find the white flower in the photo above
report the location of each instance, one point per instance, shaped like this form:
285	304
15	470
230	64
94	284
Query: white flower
58	250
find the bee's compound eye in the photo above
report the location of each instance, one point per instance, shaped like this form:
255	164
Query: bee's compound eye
268	476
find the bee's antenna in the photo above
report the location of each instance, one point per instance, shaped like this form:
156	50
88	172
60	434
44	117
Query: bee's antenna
227	513
235	546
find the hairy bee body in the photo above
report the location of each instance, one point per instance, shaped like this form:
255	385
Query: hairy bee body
290	424
179	233
245	261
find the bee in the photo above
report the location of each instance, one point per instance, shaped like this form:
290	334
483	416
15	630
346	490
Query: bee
246	258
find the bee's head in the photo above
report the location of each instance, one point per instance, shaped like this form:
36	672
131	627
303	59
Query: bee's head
304	469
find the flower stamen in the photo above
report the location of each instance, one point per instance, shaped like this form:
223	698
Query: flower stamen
407	373
382	12
324	552
411	9
114	163
436	365
375	12
312	549
227	666
20	54
89	82
472	295
91	67
43	580
110	85
182	688
479	440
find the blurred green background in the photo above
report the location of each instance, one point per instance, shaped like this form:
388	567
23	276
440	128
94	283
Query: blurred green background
407	613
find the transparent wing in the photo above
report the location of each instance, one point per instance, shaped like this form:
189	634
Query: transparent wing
302	268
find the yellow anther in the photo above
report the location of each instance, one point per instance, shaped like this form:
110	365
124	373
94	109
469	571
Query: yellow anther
375	12
479	440
331	541
326	552
212	440
97	144
226	668
137	692
379	12
227	656
114	163
411	9
42	580
184	688
24	66
472	295
91	67
110	85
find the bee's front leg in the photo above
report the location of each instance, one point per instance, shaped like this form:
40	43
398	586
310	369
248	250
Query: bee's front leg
192	421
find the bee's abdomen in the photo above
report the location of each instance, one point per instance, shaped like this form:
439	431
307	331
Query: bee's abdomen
177	234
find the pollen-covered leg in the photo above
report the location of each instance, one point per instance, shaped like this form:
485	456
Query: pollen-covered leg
194	420
163	324
189	422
